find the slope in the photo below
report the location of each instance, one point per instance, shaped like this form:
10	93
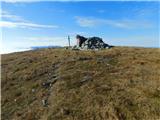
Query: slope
121	83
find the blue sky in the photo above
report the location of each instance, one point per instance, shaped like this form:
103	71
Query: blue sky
26	24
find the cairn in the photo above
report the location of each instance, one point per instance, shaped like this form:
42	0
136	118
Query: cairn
91	43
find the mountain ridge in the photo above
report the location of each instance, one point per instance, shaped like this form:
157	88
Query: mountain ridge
115	84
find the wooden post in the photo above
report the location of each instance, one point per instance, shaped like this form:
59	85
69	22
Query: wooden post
69	41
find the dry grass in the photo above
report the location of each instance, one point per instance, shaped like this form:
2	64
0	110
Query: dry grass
117	84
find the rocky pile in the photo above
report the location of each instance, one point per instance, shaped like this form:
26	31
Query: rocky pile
93	43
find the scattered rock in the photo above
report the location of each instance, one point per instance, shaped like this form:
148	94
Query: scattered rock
49	84
65	111
93	43
54	76
86	79
44	102
33	90
84	58
46	84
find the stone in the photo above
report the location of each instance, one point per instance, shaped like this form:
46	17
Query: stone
46	84
44	102
33	90
65	111
93	43
84	58
86	79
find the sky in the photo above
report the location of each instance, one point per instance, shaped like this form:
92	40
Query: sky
29	23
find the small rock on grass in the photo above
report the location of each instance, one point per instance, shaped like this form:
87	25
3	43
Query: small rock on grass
44	102
86	79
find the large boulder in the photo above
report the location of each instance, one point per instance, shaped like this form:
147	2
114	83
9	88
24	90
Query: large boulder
93	43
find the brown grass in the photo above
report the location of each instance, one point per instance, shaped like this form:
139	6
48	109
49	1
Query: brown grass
117	84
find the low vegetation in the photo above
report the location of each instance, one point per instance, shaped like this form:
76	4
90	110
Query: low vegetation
121	83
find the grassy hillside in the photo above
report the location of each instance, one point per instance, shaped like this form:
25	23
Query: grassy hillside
121	83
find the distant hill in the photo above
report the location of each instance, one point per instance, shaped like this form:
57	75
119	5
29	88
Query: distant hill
41	47
122	83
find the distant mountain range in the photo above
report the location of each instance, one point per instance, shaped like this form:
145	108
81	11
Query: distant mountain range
41	47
